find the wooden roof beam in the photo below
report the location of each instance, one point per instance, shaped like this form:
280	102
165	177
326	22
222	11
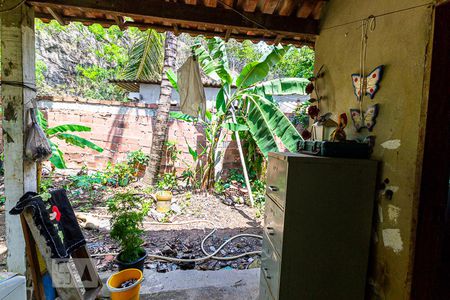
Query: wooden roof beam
306	8
287	7
120	21
227	34
318	10
210	3
290	39
278	39
268	6
181	13
227	4
247	5
56	15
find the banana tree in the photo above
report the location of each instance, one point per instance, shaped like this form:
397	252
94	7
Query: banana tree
245	103
61	132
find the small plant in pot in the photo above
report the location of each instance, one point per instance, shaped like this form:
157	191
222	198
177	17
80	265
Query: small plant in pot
128	211
138	160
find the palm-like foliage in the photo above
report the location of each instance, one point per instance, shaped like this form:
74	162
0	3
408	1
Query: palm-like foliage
145	58
251	101
61	132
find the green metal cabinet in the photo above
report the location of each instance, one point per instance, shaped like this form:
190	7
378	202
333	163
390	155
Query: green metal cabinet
317	227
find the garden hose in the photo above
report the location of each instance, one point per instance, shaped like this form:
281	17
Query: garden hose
208	255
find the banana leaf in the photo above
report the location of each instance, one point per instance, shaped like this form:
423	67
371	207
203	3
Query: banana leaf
41	120
258	123
221	100
257	71
192	152
78	141
265	121
218	51
67	127
183	117
282	86
57	158
172	78
214	68
235	127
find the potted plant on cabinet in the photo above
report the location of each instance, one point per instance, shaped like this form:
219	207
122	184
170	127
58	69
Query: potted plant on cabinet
127	214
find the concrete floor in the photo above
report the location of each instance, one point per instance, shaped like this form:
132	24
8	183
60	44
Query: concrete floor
198	285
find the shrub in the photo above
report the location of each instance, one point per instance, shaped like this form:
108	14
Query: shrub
167	181
128	211
138	157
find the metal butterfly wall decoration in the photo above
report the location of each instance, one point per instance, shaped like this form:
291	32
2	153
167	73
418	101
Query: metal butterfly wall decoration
369	84
366	119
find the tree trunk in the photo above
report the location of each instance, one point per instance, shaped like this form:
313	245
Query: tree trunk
162	114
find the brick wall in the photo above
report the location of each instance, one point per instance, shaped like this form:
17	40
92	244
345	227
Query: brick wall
120	128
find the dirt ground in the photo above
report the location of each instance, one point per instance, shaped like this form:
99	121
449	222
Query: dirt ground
168	239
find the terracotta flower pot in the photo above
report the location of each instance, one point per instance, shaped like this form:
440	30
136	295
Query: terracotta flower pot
140	170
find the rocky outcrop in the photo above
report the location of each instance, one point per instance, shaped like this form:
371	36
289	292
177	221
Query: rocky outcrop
61	51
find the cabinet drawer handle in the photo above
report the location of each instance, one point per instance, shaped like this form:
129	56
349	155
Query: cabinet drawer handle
266	274
270	230
273	188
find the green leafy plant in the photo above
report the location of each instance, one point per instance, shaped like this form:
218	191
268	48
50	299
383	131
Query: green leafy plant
259	190
46	183
61	132
235	175
86	182
249	107
123	173
171	155
138	157
219	187
127	214
194	171
167	182
138	161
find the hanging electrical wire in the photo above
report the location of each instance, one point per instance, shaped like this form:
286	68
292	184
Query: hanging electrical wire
29	86
379	15
11	8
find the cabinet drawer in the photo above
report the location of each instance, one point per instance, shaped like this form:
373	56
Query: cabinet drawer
277	171
270	267
274	224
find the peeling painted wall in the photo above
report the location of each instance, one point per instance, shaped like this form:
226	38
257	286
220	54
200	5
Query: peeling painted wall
400	41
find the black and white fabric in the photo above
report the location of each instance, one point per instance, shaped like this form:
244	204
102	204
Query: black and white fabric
55	220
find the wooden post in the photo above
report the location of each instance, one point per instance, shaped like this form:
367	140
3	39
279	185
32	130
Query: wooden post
18	94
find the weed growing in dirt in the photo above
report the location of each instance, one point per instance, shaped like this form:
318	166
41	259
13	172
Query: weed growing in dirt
219	187
46	183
